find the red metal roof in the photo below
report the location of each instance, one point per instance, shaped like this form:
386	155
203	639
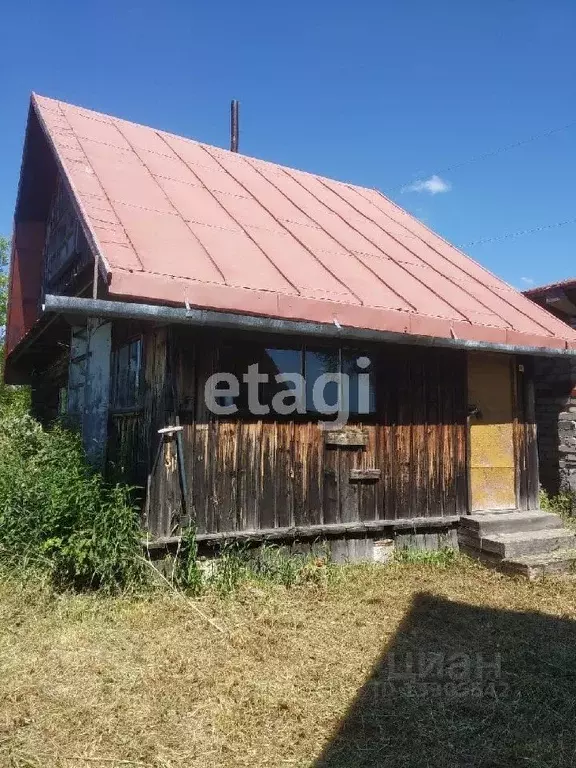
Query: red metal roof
178	221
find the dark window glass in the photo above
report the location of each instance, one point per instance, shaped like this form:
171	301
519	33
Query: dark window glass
361	388
312	364
125	374
318	363
271	361
286	362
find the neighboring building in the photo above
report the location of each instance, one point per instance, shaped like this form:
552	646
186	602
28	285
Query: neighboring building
144	262
555	383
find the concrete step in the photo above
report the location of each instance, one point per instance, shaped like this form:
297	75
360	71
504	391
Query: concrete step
486	523
562	562
508	546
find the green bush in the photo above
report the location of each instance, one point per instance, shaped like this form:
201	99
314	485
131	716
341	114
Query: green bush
58	515
563	504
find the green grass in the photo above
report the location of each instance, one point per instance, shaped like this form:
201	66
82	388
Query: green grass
442	557
563	504
276	676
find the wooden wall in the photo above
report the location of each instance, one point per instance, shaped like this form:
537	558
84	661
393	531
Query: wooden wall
253	473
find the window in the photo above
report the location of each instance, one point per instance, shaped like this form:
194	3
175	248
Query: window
285	381
319	363
357	391
126	367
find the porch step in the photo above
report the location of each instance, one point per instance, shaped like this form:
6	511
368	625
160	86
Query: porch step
521	543
526	543
560	562
487	523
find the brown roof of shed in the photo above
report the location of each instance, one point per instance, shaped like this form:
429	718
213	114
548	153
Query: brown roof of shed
538	290
176	221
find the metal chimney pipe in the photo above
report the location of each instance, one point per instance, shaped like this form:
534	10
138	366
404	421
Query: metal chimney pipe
234	127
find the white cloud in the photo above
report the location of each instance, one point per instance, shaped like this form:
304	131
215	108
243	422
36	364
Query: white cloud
434	185
527	280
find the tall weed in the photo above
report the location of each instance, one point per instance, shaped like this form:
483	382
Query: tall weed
58	515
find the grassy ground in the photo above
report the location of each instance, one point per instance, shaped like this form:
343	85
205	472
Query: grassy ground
294	677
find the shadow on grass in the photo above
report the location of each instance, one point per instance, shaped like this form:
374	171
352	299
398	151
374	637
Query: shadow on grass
465	686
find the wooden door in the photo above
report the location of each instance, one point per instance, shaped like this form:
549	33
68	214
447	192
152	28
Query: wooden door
492	473
351	474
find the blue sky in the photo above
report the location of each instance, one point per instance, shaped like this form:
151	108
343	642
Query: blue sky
384	94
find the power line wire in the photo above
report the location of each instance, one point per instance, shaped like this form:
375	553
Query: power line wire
519	233
493	152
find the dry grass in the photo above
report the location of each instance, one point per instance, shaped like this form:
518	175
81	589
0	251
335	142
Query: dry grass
90	682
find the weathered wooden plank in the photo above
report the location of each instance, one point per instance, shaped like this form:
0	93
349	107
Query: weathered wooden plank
403	439
225	474
307	468
348	437
459	369
185	374
267	474
249	466
314	531
96	401
434	438
349	492
285	474
203	449
519	438
127	453
366	475
447	453
531	445
386	399
418	444
315	474
155	361
331	490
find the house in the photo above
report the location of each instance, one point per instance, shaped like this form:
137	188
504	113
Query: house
555	387
267	353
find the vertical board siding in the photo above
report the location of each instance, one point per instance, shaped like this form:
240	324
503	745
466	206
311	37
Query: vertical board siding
250	473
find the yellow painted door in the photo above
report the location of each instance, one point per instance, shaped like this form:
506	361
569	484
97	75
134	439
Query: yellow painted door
491	424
